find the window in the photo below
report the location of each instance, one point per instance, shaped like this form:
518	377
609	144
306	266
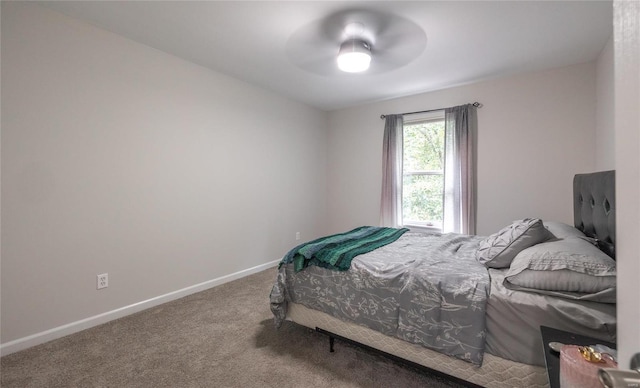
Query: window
423	171
437	194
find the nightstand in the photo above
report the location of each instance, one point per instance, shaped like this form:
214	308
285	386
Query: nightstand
552	359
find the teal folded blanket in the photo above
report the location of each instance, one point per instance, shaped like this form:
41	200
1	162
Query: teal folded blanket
337	251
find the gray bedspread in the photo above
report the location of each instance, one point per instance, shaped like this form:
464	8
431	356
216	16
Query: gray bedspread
427	289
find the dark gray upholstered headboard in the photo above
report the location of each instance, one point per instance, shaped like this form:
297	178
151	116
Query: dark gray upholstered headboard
594	208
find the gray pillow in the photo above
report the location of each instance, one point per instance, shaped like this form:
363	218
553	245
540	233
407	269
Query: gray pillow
499	249
572	268
562	230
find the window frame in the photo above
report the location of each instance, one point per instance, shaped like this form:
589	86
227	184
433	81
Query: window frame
430	226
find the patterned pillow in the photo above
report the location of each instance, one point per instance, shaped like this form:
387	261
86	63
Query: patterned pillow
499	249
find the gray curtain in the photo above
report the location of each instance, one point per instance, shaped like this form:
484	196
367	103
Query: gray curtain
391	201
460	170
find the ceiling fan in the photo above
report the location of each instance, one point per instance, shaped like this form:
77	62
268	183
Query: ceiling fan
381	41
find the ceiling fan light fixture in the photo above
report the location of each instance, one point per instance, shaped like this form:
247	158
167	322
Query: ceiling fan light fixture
354	56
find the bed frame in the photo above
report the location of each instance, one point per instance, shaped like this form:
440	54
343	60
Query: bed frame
594	214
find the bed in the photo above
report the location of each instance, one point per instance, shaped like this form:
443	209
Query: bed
467	306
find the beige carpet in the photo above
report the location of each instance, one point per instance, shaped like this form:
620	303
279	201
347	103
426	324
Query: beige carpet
222	337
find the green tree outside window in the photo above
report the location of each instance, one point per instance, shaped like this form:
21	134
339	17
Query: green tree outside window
423	177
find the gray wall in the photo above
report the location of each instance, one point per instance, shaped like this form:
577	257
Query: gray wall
605	128
120	158
535	132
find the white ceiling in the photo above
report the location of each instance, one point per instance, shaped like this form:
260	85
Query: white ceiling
465	41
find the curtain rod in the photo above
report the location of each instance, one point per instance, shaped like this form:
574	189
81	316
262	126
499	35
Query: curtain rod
476	104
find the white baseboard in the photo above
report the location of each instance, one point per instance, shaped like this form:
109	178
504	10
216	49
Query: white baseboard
74	327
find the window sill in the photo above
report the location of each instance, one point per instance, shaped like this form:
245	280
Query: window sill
423	228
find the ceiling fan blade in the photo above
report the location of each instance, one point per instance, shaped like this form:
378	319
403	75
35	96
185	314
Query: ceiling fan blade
395	41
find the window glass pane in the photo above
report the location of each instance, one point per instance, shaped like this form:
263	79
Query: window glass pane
422	199
424	146
423	179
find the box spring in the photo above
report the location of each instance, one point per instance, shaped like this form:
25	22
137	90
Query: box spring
494	372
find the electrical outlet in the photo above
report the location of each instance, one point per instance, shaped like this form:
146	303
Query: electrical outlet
297	236
102	281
